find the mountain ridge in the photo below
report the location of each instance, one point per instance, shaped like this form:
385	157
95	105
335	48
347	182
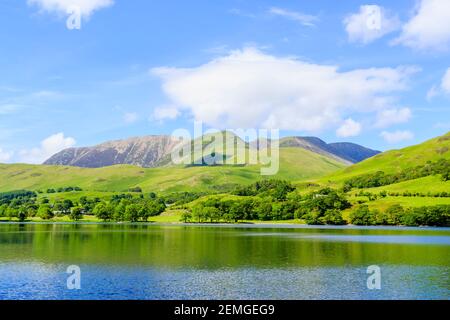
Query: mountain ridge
154	151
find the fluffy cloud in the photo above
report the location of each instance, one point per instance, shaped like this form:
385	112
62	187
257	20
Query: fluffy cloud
304	19
130	117
349	128
397	136
429	28
370	23
5	156
87	7
250	89
48	147
162	113
388	117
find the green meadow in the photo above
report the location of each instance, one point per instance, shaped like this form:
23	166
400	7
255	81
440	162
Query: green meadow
214	188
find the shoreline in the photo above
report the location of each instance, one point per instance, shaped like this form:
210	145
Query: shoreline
267	225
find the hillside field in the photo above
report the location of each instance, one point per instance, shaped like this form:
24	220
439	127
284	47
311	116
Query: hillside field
296	164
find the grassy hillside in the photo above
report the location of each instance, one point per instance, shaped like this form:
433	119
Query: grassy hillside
433	184
395	160
295	164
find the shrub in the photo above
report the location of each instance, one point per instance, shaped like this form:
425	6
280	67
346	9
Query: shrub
362	216
76	213
334	217
45	212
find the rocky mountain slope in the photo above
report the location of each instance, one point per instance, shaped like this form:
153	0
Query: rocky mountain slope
155	151
148	152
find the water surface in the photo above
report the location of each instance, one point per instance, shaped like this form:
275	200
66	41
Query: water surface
222	262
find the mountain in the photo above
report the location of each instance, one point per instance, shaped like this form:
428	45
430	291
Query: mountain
155	151
342	151
296	164
149	152
351	151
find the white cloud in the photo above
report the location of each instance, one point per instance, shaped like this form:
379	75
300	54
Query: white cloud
48	147
445	84
429	28
388	117
5	156
87	7
249	89
349	128
304	19
162	113
397	136
130	117
370	23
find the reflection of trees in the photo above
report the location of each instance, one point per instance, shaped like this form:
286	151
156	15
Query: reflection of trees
205	247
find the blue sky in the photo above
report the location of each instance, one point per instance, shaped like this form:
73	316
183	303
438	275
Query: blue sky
149	67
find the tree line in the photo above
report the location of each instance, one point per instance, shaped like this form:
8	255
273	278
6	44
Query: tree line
270	200
397	215
121	208
267	200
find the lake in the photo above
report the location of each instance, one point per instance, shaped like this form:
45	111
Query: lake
147	261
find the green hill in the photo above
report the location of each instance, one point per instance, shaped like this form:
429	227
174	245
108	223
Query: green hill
395	161
428	190
296	164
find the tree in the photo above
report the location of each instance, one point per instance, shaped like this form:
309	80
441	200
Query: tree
151	208
186	216
132	213
102	212
3	210
32	210
381	218
264	210
45	212
327	199
76	213
314	218
394	214
22	214
58	209
211	213
414	217
334	217
11	212
198	212
239	210
362	216
67	205
119	210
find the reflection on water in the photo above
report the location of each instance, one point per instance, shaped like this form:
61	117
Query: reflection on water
208	262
